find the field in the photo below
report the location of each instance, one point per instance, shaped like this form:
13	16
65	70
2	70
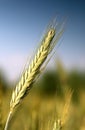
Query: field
56	102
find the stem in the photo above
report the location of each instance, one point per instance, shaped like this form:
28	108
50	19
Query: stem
8	119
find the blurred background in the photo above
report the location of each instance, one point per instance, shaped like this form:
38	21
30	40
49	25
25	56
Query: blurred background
22	25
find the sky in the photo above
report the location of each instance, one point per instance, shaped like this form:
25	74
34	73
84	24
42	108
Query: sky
22	23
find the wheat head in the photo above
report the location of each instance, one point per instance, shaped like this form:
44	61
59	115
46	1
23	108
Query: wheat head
66	109
29	76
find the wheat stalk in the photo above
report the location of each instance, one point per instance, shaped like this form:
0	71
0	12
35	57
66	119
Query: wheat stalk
29	76
1	105
1	124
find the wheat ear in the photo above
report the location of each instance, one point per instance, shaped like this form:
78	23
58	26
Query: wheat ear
58	125
66	109
29	76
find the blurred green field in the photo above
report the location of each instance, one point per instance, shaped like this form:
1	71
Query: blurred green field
47	102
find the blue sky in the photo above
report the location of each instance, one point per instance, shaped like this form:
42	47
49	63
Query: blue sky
22	23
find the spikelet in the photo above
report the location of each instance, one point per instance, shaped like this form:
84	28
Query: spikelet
57	125
54	126
29	76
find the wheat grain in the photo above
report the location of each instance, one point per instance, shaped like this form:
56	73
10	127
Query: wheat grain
29	76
